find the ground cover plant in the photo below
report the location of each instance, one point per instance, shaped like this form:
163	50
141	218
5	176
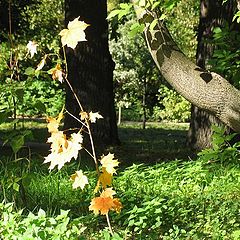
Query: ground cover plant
177	199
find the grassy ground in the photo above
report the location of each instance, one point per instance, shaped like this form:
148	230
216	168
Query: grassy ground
162	198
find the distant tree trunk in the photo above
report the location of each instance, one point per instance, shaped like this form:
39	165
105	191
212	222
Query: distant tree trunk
90	70
144	103
213	13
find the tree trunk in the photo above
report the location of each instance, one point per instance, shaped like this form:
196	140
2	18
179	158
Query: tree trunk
213	14
206	90
144	103
90	70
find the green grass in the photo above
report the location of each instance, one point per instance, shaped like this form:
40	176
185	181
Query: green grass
162	198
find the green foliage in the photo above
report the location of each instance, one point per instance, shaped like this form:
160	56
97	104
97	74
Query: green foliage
182	22
32	97
222	151
14	225
134	68
180	200
174	107
225	59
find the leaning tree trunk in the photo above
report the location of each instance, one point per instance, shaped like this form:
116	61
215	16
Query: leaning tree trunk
206	90
90	70
213	13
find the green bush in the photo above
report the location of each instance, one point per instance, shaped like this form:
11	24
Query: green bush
14	225
174	107
181	200
32	97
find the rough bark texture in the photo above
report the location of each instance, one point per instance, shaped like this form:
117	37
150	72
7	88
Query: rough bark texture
206	90
90	70
212	14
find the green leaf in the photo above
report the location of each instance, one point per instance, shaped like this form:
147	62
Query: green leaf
4	116
16	186
153	24
17	142
124	5
136	28
155	5
19	93
113	13
29	71
40	106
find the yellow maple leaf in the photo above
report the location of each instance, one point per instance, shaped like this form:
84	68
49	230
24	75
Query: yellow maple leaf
63	149
52	125
94	116
108	192
57	73
84	116
105	180
109	163
79	180
74	33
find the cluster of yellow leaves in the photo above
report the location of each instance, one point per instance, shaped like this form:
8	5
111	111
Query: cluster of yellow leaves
63	149
105	202
74	33
92	117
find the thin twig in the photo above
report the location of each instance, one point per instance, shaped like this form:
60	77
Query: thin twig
109	224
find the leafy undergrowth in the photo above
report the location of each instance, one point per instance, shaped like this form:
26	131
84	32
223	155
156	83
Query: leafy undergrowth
161	199
172	200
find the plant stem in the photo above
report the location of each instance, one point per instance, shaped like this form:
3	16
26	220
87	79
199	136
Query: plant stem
93	148
81	107
109	224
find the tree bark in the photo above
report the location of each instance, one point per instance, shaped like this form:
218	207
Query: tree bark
212	14
90	70
206	90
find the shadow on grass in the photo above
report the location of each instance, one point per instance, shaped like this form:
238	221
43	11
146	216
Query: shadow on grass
158	142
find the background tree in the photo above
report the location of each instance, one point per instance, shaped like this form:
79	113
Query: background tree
212	14
135	76
90	70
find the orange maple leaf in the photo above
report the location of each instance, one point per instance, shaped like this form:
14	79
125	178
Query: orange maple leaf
105	203
101	204
117	205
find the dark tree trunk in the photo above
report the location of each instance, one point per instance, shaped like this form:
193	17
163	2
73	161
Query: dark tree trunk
90	70
213	13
